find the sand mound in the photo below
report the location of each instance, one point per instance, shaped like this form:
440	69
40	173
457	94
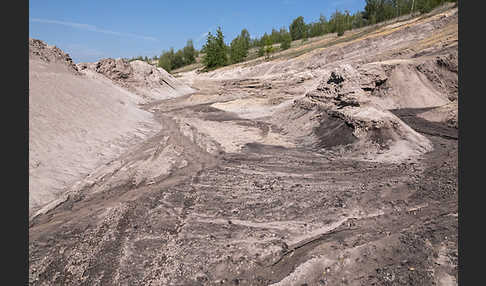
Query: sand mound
339	115
138	77
409	83
76	123
40	50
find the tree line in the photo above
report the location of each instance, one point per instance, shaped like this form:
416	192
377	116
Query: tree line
144	59
170	60
377	11
217	53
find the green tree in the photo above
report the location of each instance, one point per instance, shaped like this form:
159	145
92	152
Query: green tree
298	28
372	10
380	10
305	38
189	53
216	51
268	48
261	50
347	20
358	20
239	47
268	51
337	23
245	37
286	41
340	30
165	60
283	33
340	23
178	60
265	39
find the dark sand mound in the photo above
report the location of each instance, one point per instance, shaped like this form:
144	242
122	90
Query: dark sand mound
339	115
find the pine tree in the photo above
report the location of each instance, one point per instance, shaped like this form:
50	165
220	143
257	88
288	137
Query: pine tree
298	28
261	50
239	47
178	60
165	60
216	50
268	48
287	40
340	24
189	53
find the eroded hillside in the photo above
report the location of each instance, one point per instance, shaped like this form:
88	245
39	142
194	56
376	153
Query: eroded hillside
335	167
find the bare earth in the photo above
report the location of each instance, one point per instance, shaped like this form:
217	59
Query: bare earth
336	167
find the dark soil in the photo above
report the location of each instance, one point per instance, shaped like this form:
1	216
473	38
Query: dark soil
334	132
214	227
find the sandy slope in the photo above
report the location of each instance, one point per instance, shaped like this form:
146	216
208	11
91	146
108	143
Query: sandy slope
76	124
147	81
330	168
79	120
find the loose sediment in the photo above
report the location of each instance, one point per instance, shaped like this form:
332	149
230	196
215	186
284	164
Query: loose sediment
339	166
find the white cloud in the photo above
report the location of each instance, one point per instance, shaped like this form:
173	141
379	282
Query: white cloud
203	35
92	28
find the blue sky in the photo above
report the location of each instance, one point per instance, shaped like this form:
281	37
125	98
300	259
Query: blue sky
90	30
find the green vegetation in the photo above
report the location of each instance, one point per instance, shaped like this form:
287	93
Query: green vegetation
286	41
169	60
189	53
239	47
216	53
298	29
268	51
377	11
139	58
261	50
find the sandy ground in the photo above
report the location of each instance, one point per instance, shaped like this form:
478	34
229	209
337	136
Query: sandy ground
75	125
332	168
81	120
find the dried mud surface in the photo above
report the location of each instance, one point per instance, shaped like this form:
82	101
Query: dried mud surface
249	183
